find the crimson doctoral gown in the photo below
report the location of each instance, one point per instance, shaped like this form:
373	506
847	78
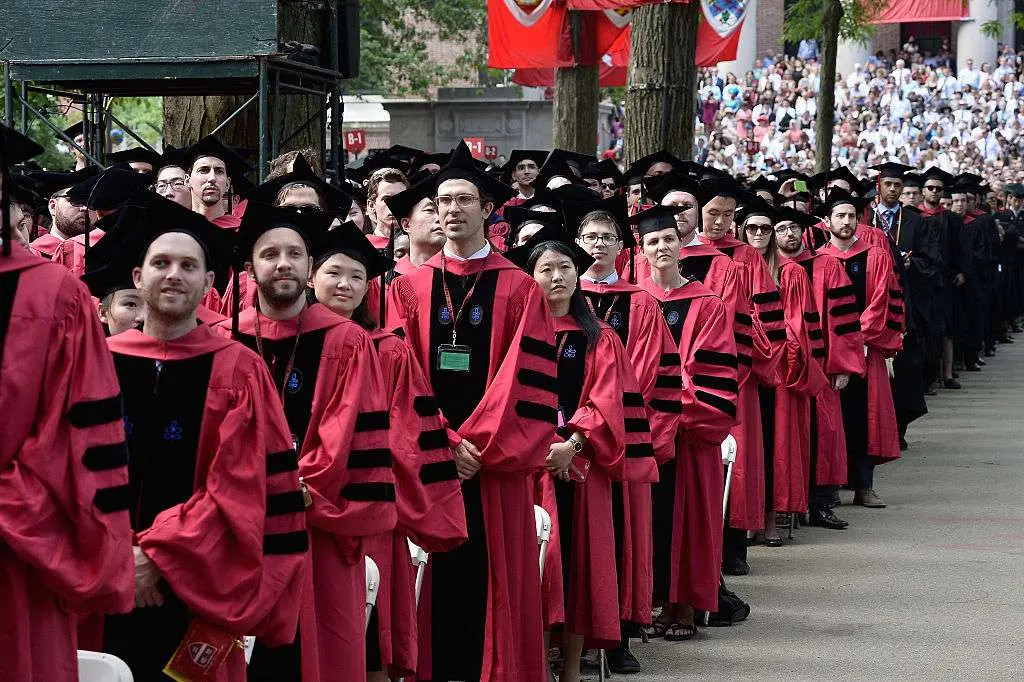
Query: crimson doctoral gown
800	378
879	301
636	318
483	598
334	400
428	496
71	252
688	498
836	305
600	399
214	496
65	536
44	245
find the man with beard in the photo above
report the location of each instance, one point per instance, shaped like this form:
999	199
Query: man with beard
213	170
66	219
948	229
416	213
326	371
869	416
214	496
479	325
835	304
65	539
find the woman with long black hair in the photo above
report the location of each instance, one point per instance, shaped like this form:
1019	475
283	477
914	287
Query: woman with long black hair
602	422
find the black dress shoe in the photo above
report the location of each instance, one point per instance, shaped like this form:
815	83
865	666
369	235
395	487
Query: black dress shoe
972	367
735	567
826	518
621	661
951	383
988	354
930	391
903	443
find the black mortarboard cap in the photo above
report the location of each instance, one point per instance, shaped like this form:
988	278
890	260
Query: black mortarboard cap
605	168
403	203
75	129
912	180
517	217
558	166
762	184
109	189
361	174
543	197
260	218
785	214
658	186
724	187
655	218
335	200
891	169
462	166
837	196
936	173
520	255
211	146
110	261
51	182
755	206
438	159
350	240
136	155
969	179
15	147
172	156
640	167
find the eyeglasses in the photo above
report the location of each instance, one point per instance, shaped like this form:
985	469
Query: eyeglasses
788	227
609	185
758	229
592	238
463	200
164	185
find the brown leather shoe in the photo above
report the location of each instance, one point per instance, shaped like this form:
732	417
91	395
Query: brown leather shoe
868	498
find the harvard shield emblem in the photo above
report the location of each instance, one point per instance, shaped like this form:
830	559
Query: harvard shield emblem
723	15
527	12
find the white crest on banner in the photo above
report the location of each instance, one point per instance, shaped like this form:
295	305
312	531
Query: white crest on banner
619	17
528	12
724	16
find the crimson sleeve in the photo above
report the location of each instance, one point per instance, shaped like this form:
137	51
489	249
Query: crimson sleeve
709	401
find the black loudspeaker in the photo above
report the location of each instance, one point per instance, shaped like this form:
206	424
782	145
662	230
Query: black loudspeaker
348	38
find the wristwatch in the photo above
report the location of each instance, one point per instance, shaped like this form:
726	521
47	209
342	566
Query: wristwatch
577	447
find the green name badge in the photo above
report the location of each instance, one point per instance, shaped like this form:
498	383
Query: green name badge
453	358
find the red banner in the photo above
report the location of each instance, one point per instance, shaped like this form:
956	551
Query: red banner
593	5
525	33
355	141
922	10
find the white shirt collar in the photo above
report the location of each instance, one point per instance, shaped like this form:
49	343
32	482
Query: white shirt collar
612	278
694	240
482	253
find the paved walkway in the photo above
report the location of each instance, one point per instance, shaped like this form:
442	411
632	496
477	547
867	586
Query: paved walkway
931	588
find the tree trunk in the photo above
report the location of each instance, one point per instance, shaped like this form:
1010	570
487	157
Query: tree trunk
291	116
825	121
661	89
575	110
576	90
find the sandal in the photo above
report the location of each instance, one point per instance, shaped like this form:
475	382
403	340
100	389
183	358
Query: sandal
680	632
658	628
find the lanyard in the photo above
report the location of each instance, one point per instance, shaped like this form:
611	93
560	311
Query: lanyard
291	358
561	346
899	225
457	315
607	313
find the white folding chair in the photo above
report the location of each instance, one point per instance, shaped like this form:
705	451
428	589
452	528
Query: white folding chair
419	560
94	666
543	520
728	459
372	585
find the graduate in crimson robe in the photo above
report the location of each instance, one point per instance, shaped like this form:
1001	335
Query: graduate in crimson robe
835	308
428	495
65	538
605	428
688	496
636	318
327	373
213	493
468	308
868	412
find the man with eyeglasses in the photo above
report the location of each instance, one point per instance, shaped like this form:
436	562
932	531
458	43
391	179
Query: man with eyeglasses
636	317
67	219
172	183
835	306
480	329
